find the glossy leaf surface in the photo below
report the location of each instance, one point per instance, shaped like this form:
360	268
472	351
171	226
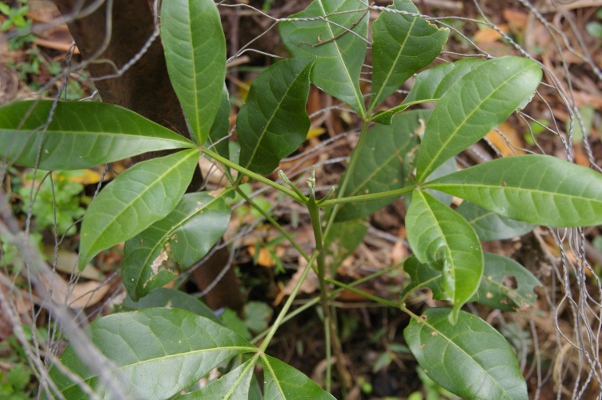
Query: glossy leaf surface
430	85
490	226
434	82
134	200
505	285
79	135
285	382
177	241
195	52
539	189
220	130
273	121
478	102
422	275
440	237
339	61
158	351
470	359
401	45
170	298
383	162
232	386
497	291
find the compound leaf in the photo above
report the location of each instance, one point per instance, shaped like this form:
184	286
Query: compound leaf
383	164
490	226
538	189
285	382
340	53
273	122
498	291
402	44
136	199
478	102
157	353
78	135
470	358
195	52
177	241
440	237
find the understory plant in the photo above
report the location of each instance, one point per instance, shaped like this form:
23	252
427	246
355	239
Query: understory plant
161	352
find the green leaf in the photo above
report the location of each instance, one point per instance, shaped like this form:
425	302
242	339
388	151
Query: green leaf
422	275
177	241
490	226
430	85
343	239
136	199
273	122
434	82
470	359
496	288
171	298
220	129
383	162
448	167
478	102
498	291
339	61
401	45
285	382
542	190
234	385
79	135
157	351
195	52
440	237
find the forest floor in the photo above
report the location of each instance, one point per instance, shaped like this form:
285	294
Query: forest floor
371	335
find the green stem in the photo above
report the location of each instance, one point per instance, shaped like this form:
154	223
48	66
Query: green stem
362	293
287	305
253	175
274	223
332	295
329	325
368	197
345	182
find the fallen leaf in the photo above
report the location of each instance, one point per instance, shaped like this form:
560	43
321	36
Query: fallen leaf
489	34
501	143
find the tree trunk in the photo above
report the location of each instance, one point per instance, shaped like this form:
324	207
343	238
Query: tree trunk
144	88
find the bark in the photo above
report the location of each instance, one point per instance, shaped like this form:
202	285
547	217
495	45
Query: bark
144	88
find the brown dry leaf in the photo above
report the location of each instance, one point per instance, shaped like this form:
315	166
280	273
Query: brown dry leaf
67	260
54	45
84	294
517	20
349	296
489	34
20	301
579	154
265	258
511	136
309	285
